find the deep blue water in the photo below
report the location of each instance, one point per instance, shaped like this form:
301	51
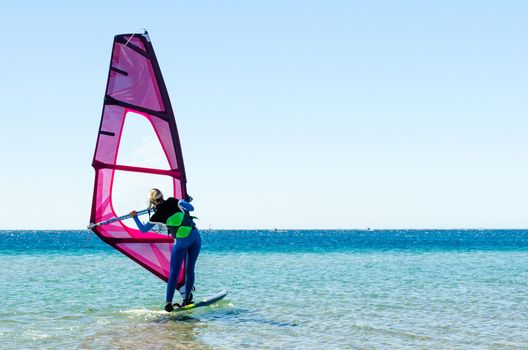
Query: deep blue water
290	240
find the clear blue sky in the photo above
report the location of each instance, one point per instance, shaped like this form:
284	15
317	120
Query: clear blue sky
292	114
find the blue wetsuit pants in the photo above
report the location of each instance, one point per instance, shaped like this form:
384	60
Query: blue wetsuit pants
188	247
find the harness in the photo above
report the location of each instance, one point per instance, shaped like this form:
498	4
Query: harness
180	225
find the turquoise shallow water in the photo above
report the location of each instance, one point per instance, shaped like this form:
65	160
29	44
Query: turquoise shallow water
292	289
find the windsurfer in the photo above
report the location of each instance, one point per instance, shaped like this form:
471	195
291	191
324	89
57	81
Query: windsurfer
175	214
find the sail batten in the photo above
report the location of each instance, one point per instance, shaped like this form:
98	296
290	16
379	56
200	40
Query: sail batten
109	100
135	86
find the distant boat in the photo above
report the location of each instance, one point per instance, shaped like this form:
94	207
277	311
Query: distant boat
278	230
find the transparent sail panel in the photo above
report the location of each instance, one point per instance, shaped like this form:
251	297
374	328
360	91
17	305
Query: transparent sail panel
140	145
129	192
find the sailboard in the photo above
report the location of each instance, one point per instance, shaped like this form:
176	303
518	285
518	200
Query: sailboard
135	89
206	302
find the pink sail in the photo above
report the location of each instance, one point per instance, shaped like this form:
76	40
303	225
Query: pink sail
135	85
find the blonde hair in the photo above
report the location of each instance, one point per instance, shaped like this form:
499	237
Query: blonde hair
155	197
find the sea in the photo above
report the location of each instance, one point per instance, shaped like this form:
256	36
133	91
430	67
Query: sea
292	289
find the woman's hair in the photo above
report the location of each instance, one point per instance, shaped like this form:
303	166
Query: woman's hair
155	197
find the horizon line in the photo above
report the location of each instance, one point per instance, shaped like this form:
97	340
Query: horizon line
310	229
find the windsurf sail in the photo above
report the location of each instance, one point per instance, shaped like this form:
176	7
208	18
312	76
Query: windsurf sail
135	89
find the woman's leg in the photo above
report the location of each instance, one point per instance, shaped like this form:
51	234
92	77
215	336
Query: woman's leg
192	255
176	260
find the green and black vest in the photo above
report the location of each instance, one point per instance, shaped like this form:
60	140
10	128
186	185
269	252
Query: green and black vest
180	225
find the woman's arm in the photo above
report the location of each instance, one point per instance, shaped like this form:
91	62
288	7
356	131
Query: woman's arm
143	227
183	204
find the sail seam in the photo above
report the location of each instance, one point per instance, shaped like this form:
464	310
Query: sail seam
138	240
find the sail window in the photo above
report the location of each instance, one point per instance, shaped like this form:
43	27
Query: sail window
139	145
129	191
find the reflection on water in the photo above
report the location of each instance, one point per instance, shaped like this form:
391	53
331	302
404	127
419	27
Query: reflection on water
236	315
156	329
153	329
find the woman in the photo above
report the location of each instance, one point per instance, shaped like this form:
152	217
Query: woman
175	214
